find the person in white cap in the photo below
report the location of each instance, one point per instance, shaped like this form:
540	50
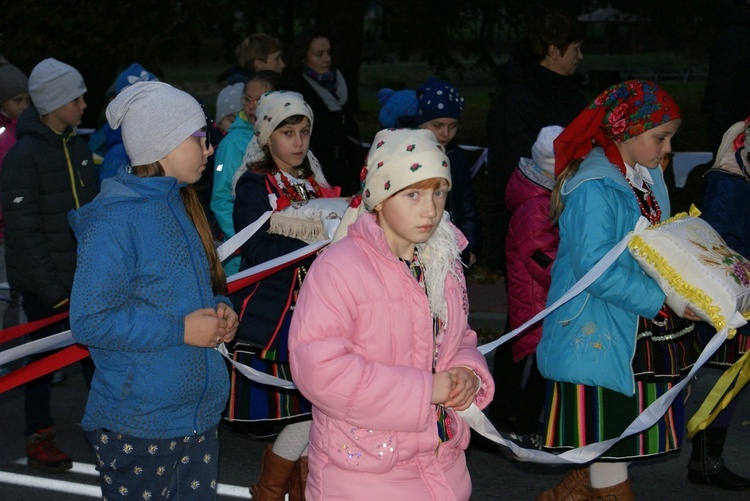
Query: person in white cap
531	247
379	340
228	105
48	172
147	302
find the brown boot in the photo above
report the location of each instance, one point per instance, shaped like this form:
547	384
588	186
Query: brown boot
275	473
298	482
573	487
620	492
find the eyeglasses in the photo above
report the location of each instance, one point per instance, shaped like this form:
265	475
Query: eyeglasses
249	99
203	133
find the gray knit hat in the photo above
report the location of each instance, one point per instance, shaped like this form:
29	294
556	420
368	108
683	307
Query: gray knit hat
228	101
53	84
155	118
12	81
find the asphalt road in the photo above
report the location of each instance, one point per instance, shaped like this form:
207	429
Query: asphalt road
494	476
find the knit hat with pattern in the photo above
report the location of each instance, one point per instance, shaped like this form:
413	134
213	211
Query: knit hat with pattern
438	99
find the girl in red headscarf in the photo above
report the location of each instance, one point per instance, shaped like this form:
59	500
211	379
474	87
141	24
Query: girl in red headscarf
615	348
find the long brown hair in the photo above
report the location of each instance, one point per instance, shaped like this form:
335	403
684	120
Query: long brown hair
197	215
556	204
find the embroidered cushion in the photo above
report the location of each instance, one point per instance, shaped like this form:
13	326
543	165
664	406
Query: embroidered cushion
309	220
695	267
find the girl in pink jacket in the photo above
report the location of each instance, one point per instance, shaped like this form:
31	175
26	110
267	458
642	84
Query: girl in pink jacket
379	341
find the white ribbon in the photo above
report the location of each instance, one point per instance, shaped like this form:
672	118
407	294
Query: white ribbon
254	375
586	280
473	416
53	342
227	248
479	422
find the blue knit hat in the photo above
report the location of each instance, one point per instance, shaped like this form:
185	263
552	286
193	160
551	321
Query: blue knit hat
398	108
134	73
438	99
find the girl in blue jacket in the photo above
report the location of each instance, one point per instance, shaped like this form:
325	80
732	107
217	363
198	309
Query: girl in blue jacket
615	348
145	301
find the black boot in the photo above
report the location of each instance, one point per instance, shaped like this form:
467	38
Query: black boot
706	465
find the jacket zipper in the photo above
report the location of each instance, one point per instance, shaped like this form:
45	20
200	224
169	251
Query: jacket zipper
71	174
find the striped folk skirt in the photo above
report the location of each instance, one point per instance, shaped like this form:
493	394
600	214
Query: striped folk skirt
250	401
579	415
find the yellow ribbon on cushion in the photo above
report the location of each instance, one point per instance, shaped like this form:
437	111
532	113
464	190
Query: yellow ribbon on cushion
726	388
693	294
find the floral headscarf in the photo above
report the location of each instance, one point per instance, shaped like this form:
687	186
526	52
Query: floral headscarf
619	113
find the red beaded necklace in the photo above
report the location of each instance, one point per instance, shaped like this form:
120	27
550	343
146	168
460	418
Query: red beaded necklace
647	203
298	192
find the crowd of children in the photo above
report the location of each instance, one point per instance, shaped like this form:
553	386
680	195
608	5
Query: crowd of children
373	329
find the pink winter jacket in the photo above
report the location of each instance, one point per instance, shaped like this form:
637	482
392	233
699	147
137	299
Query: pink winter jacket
361	347
531	246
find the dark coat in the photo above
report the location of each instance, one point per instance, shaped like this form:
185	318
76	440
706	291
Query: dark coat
262	305
341	158
44	176
532	97
462	201
726	99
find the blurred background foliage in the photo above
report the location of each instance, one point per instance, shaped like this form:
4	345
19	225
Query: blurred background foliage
377	43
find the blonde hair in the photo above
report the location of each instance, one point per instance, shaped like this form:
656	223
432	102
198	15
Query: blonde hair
556	204
197	215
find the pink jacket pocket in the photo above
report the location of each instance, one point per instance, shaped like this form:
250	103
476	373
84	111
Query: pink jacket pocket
360	449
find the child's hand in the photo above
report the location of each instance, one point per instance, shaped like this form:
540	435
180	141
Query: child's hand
690	315
464	390
227	313
442	385
204	328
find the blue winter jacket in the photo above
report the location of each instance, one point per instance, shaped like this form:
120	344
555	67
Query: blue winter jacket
141	270
591	339
228	159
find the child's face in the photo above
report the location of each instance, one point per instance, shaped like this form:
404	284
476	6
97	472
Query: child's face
318	56
410	217
650	147
67	115
186	162
444	129
288	145
13	107
253	91
226	122
273	63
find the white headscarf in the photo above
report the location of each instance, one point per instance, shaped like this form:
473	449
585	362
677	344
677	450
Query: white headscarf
273	108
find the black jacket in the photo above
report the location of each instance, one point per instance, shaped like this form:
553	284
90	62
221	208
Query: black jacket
462	201
262	305
341	158
726	99
532	97
44	176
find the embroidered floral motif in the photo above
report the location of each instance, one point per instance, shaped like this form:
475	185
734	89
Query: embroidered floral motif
721	256
415	166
